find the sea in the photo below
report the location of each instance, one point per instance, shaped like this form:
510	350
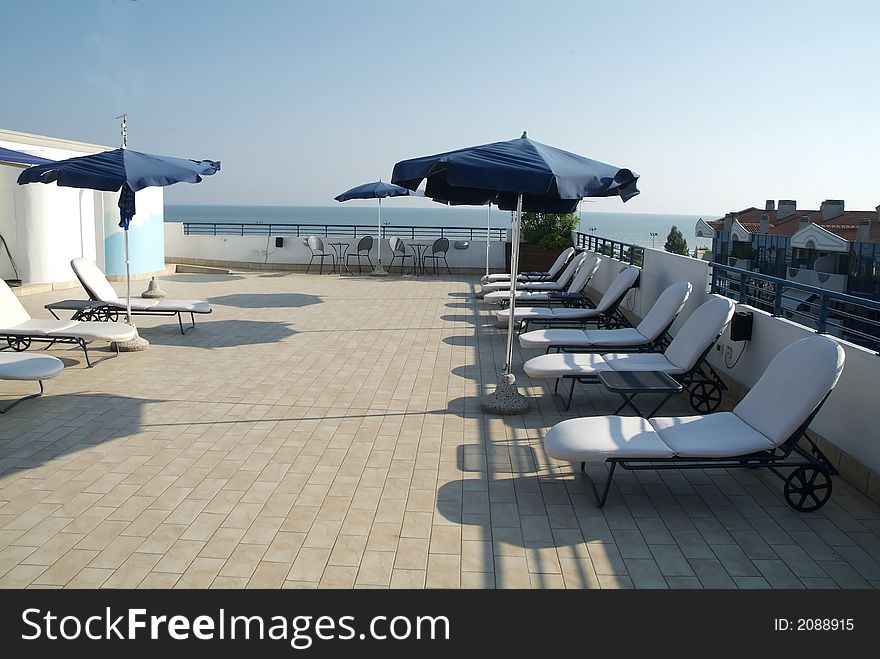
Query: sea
634	228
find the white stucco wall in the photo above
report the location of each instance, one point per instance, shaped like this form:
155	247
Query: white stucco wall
253	249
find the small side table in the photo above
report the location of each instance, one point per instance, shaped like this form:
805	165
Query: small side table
83	309
631	383
341	249
419	250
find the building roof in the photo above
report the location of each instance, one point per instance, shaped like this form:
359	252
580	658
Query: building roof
844	225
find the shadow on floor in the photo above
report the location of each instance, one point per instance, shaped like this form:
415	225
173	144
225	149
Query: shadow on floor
219	333
460	340
109	417
266	300
195	278
458	318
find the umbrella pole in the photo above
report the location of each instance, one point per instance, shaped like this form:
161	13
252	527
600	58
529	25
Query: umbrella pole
488	233
379	272
138	343
127	281
506	399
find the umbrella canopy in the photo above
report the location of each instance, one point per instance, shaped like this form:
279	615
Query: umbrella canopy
20	158
517	175
550	180
124	170
374	190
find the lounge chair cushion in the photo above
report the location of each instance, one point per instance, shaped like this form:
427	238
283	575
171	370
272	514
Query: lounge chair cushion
548	314
575	338
699	331
551	273
92	331
497	297
664	310
793	384
560	365
558	283
37	327
187	306
619	286
711	436
21	366
596	438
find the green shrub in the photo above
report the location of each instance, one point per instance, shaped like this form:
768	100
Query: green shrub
551	230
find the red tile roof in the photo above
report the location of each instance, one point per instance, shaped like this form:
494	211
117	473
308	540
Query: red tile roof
844	225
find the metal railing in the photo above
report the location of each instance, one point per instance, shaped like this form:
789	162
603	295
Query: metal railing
632	254
346	230
848	317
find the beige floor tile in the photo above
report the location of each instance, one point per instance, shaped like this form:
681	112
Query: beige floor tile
375	568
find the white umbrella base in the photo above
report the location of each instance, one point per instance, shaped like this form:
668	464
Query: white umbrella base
505	399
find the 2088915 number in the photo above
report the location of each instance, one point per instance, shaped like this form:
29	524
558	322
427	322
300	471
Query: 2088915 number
824	624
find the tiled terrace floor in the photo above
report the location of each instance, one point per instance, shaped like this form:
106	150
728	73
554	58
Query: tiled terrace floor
326	431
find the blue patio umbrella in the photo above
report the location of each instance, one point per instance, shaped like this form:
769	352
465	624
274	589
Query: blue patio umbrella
124	170
517	175
376	190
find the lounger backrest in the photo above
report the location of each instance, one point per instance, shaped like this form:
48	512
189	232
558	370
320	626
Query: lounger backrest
11	310
585	272
699	332
794	383
619	287
567	274
665	309
560	262
93	280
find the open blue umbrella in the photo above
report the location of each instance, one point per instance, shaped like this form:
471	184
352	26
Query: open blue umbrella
375	190
124	170
517	175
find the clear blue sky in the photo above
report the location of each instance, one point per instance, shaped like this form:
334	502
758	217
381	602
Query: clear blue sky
718	105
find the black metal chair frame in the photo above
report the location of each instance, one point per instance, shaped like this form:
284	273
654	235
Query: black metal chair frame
402	255
22	399
435	258
809	464
322	256
611	318
359	253
702	382
21	342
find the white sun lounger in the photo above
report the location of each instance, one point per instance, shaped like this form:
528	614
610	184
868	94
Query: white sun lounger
554	270
96	285
21	330
763	430
14	366
683	358
585	272
557	284
647	335
605	313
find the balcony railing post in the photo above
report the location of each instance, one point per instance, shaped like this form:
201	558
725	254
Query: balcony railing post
777	300
823	315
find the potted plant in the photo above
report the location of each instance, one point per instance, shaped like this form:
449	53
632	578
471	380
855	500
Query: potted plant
544	236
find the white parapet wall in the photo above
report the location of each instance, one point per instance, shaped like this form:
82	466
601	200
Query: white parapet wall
848	420
245	251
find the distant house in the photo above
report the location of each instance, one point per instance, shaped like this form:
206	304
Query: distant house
830	248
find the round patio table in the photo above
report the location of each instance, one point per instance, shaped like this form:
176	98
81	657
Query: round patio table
341	249
419	250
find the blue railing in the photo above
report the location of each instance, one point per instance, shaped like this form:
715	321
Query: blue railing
849	317
626	252
347	230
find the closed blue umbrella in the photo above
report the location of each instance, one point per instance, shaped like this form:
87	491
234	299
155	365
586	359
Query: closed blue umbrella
516	175
375	190
20	158
124	170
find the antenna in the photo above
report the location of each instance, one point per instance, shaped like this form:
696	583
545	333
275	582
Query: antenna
124	129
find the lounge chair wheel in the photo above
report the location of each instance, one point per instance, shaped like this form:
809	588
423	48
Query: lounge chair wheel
705	397
107	315
19	344
807	489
